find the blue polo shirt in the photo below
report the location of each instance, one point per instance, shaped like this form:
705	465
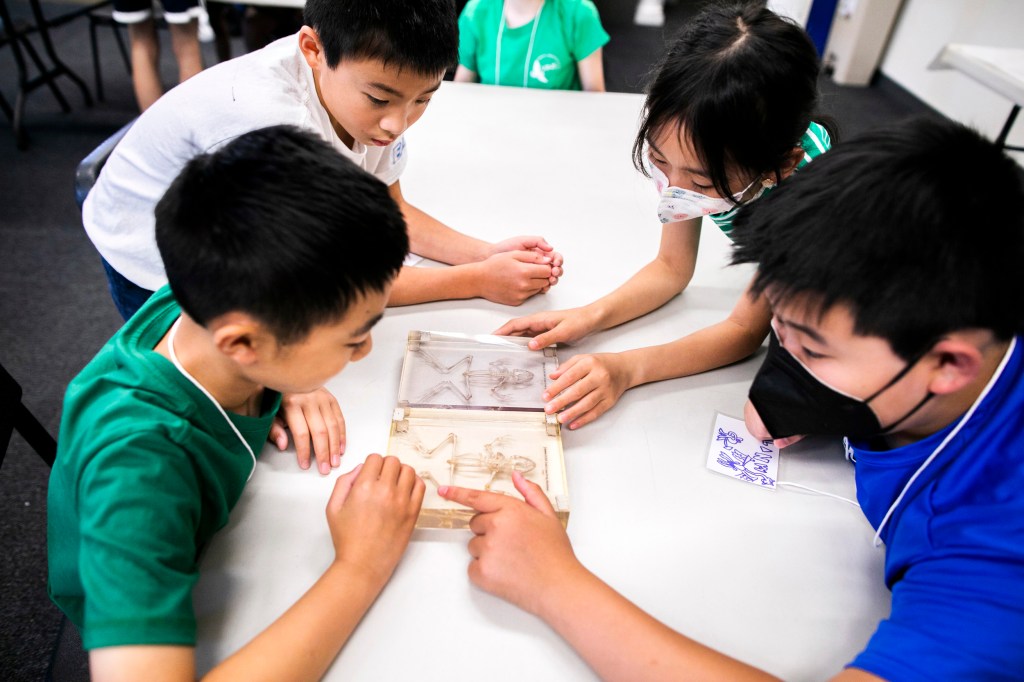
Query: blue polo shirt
954	546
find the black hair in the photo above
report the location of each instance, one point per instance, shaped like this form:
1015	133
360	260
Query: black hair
919	228
279	225
743	83
422	35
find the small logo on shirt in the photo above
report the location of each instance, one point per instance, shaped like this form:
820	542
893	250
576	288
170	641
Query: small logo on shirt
397	151
543	64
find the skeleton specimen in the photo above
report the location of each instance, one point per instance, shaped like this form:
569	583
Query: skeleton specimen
497	377
491	462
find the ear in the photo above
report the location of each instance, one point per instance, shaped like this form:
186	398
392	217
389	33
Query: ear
791	161
311	48
957	363
241	338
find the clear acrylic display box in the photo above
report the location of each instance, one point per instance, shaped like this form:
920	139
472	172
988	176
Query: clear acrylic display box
469	414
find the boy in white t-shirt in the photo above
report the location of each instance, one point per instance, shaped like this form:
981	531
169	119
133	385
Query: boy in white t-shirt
358	74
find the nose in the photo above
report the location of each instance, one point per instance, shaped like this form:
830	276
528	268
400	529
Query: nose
395	122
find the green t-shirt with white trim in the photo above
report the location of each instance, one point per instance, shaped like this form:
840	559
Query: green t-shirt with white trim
539	54
147	471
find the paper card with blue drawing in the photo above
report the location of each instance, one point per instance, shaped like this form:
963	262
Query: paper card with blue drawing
737	454
463	371
470	414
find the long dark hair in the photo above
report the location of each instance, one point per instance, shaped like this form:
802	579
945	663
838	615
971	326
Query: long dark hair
743	83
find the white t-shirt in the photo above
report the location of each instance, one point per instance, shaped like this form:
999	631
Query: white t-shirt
271	86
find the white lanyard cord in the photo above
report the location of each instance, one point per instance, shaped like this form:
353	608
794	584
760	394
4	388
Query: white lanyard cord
529	49
952	434
195	382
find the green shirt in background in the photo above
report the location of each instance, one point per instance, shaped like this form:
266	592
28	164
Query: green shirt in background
147	471
567	32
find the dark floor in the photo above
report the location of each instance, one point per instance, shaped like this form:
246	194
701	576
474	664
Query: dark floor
55	311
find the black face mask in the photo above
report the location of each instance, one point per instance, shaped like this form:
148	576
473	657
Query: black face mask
793	402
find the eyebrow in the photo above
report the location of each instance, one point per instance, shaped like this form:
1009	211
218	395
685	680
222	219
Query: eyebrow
692	171
369	324
809	331
383	87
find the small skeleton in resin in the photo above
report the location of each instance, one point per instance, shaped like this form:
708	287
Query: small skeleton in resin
492	461
497	377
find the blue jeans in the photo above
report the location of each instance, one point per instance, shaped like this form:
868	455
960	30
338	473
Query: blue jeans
128	296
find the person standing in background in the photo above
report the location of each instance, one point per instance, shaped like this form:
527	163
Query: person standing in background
549	44
181	17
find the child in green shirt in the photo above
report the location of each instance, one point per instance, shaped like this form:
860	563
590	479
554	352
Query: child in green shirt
160	432
549	44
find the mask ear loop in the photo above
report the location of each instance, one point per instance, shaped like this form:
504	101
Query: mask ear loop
877	541
819	492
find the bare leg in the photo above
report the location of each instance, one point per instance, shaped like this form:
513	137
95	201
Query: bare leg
185	43
145	63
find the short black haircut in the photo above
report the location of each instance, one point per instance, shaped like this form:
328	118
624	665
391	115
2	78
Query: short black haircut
743	82
279	225
422	35
919	228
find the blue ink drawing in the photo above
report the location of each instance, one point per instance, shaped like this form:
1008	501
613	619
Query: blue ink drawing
728	438
751	468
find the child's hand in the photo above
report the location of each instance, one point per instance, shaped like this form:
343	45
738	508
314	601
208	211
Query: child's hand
520	552
317	416
371	514
537	244
511	277
587	386
550	327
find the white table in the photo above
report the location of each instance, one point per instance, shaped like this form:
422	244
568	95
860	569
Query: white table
784	580
1000	69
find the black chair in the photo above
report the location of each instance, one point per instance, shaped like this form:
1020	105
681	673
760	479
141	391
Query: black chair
89	168
14	416
48	69
102	15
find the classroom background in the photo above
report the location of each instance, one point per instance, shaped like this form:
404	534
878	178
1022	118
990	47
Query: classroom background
55	311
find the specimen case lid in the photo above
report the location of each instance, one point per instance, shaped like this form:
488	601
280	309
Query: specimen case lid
474	371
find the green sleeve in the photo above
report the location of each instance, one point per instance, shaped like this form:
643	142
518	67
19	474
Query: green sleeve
139	512
588	34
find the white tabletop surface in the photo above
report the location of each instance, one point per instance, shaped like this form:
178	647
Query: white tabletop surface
999	68
781	579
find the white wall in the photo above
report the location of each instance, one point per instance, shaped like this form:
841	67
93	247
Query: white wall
924	27
798	10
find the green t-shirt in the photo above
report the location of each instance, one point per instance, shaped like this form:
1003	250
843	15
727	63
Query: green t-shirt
147	471
816	141
539	54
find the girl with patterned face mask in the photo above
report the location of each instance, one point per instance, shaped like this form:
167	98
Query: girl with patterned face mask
729	115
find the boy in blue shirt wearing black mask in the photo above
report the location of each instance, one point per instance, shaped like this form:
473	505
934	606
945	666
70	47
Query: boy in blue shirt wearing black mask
898	327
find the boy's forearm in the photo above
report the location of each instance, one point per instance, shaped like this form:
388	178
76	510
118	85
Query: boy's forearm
430	238
622	642
302	643
421	285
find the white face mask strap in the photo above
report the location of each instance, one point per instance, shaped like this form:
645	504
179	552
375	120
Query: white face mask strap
877	541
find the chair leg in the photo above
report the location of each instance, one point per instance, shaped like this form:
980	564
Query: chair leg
6	108
35	434
123	48
59	66
97	77
5	440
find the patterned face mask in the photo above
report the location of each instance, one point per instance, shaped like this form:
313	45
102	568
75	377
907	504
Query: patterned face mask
677	204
